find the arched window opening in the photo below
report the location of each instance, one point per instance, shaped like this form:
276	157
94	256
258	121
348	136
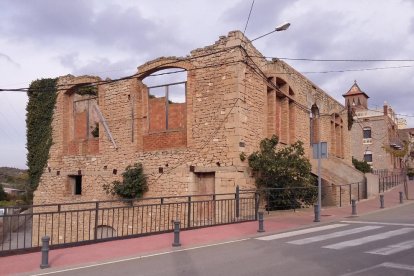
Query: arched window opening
314	124
105	232
337	136
282	85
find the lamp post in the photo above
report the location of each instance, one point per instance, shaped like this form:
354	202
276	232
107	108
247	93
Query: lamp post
320	151
280	28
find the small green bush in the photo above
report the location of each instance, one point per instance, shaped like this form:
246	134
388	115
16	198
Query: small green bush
133	185
362	166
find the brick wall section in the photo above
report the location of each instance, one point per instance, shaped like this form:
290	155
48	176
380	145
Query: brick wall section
157	114
165	140
228	111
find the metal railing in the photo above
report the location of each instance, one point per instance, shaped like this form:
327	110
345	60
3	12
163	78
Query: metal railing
390	181
94	221
340	195
351	191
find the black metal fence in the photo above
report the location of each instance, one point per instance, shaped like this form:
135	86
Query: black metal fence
351	191
86	222
390	181
340	195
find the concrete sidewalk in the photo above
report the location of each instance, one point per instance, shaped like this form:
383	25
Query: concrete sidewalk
119	249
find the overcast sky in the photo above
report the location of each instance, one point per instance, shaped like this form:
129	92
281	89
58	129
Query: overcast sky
50	38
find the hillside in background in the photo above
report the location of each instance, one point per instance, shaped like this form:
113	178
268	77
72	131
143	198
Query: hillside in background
14	178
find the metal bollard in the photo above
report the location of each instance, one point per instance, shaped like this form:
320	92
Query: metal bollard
45	252
382	201
354	210
176	233
401	198
261	220
317	215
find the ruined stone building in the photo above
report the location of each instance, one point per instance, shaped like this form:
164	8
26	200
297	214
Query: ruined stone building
373	131
190	134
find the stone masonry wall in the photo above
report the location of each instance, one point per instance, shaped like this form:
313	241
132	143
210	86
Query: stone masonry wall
234	99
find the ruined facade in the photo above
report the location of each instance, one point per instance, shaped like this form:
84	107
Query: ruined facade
372	131
188	135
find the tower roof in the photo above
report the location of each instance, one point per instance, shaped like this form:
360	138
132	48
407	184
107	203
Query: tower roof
355	90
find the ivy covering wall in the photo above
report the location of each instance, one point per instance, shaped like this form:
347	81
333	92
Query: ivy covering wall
42	98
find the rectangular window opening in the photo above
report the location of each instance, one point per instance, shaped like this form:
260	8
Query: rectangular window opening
368	157
167	107
367	133
75	182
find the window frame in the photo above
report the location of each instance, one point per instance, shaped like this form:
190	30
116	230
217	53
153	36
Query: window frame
368	155
366	130
167	104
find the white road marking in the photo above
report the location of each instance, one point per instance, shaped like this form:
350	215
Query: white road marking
398	266
395	248
387	265
334	235
137	258
300	232
379	223
361	270
369	239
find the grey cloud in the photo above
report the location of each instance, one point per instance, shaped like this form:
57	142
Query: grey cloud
106	68
50	22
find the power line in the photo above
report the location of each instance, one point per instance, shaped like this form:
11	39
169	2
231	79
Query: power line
25	90
358	70
341	60
134	76
248	18
398	114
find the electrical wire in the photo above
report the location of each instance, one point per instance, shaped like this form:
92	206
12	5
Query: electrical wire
63	87
248	18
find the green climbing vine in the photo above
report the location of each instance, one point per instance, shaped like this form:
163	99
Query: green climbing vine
42	98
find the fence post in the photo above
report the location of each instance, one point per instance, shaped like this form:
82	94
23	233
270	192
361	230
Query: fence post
96	220
340	196
176	233
237	201
256	205
316	211
354	210
382	201
401	198
189	212
261	219
45	252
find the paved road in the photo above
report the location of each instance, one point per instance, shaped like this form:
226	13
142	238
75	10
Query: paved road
376	244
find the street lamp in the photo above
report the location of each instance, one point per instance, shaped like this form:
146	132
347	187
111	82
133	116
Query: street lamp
280	28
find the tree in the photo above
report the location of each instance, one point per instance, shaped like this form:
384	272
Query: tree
3	195
286	168
362	166
133	185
